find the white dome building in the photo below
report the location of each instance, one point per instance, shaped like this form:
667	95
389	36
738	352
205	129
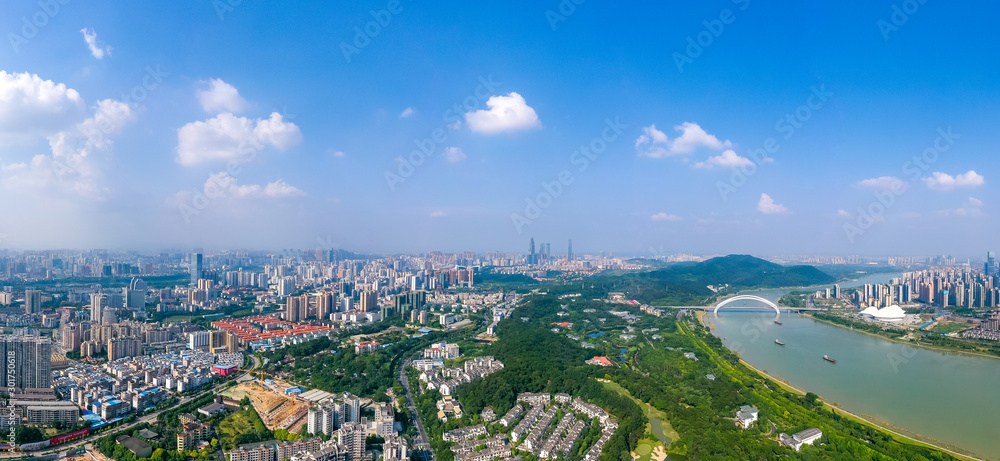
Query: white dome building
886	314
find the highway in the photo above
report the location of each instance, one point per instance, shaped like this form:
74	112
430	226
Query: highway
422	441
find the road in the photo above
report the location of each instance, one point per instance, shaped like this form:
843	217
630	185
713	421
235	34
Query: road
422	441
150	418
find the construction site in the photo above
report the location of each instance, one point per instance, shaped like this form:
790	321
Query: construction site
277	406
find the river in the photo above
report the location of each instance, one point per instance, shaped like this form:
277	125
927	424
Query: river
943	398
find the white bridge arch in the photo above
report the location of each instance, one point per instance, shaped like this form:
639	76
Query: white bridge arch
746	298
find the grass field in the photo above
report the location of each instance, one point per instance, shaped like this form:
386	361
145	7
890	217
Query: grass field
950	327
658	424
242	421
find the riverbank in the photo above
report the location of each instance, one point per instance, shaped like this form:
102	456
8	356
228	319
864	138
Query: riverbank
899	341
897	435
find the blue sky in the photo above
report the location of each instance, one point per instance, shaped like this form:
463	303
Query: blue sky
179	124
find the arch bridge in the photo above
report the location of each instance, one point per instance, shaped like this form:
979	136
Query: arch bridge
777	312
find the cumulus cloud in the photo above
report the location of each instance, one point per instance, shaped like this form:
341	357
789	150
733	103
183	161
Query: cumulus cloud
884	183
662	216
766	205
655	143
505	113
227	137
972	208
406	112
943	181
224	185
90	37
219	96
454	154
438	214
32	106
337	153
843	214
71	167
727	159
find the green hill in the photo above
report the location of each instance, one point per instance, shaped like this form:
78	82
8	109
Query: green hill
743	271
687	283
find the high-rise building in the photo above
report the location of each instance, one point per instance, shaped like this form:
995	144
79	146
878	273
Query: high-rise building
353	435
991	262
32	301
296	308
369	301
31	357
98	302
532	257
394	449
324	305
569	251
196	267
124	347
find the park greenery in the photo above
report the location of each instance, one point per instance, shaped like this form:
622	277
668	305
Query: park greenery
656	372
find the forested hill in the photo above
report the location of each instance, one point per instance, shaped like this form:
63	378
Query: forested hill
687	283
744	271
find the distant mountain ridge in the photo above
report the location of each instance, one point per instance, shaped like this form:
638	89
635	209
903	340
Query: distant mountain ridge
745	271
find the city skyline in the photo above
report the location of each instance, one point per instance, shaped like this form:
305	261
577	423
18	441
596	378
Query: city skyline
623	134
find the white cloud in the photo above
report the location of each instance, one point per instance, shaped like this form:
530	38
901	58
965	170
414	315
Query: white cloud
71	168
454	154
727	159
843	214
662	216
336	153
972	208
766	205
884	183
655	143
406	112
220	96
90	37
228	137
505	113
438	214
32	106
223	185
942	181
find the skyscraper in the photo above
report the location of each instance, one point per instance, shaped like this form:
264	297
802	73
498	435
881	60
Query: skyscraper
98	302
31	358
569	251
532	257
32	301
196	267
991	262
